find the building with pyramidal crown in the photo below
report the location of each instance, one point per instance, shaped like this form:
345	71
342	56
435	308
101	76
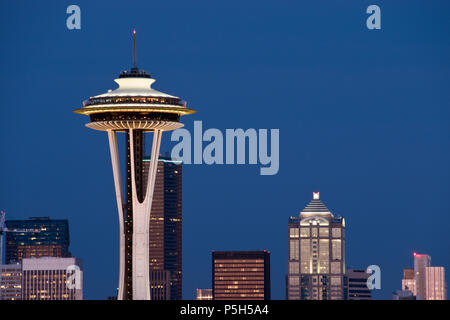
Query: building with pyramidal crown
316	266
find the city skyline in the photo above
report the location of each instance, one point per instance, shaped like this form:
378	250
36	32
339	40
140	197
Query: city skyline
363	118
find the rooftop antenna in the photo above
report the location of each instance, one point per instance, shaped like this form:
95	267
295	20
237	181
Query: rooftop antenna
135	67
134	72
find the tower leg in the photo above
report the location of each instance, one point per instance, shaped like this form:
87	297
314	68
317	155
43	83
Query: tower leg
141	220
112	137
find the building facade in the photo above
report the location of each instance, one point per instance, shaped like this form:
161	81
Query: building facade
52	240
49	278
241	275
356	282
204	294
435	285
316	265
424	282
408	281
10	281
421	262
160	284
165	239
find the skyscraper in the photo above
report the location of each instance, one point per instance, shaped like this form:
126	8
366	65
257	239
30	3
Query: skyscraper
435	285
241	275
166	230
316	265
48	278
357	285
52	240
424	281
421	262
10	281
136	109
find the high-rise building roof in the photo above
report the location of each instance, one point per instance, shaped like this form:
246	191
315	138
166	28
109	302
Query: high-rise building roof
52	239
316	207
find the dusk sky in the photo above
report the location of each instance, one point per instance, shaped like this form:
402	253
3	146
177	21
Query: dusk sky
364	118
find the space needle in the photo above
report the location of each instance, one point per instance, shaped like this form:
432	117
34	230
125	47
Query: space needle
137	110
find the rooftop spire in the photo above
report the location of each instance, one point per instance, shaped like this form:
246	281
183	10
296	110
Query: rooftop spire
134	51
134	72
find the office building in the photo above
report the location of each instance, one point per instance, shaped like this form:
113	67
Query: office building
165	242
316	265
421	262
10	281
356	281
435	285
204	294
49	278
137	110
160	284
409	281
52	240
241	275
425	282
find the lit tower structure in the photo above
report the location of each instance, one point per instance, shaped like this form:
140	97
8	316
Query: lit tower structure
135	109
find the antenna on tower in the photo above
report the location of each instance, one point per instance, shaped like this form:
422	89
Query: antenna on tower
134	72
134	50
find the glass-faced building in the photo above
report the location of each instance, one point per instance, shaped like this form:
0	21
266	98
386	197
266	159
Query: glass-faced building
316	266
165	239
52	240
436	287
241	275
11	281
421	262
424	282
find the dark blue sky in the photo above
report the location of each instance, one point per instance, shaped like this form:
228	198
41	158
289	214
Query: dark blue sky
363	118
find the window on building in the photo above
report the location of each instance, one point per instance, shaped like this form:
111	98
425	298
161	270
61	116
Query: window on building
324	232
324	255
294	267
304	232
336	232
336	249
335	267
305	256
293	249
293	232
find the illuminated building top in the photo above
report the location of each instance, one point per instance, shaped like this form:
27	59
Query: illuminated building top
316	208
134	99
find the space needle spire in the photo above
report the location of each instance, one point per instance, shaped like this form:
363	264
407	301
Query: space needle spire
138	111
134	51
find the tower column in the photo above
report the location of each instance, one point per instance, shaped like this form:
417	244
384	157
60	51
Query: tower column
141	220
112	137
